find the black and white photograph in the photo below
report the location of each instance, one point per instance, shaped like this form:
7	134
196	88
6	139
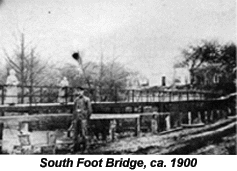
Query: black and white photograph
118	77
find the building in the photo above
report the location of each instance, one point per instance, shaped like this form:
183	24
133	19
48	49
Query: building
181	76
137	82
208	77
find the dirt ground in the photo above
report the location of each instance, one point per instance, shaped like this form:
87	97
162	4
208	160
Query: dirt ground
226	147
10	139
218	138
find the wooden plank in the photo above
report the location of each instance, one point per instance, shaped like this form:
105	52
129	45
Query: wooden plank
154	113
171	130
27	118
21	118
193	125
114	116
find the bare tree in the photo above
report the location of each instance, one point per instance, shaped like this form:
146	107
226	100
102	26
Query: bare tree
29	67
101	79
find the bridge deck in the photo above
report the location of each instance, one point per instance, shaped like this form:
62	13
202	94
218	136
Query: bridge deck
39	106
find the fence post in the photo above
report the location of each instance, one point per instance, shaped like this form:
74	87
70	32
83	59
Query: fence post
30	100
1	124
2	96
115	94
1	133
127	94
179	96
133	95
71	91
22	93
31	93
147	96
159	96
66	94
170	96
153	96
41	94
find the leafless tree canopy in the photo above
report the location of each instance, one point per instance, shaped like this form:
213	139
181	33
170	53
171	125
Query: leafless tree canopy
26	62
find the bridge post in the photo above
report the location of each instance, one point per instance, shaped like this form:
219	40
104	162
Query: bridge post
112	129
211	116
189	118
24	126
218	114
167	120
180	118
205	116
154	124
138	127
199	117
222	113
216	117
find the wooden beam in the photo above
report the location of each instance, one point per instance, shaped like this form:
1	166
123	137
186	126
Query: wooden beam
28	118
97	116
114	116
154	113
38	106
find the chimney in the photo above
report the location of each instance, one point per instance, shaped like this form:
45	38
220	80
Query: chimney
163	83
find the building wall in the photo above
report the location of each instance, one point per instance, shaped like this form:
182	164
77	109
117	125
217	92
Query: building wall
181	76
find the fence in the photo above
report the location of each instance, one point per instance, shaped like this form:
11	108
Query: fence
53	94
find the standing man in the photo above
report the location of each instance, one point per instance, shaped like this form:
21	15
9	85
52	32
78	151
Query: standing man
81	114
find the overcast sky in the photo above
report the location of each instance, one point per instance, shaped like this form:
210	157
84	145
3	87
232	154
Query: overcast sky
147	35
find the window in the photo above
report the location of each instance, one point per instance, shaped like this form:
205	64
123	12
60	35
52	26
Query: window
216	78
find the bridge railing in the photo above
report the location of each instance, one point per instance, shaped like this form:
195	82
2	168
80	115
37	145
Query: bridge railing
54	94
166	95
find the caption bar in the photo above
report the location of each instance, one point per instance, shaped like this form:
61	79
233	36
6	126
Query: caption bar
122	162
